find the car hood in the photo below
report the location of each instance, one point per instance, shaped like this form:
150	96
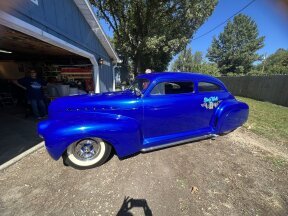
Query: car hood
91	102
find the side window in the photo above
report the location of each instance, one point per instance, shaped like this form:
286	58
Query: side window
208	87
166	88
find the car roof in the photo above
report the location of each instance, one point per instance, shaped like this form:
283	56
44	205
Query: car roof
180	76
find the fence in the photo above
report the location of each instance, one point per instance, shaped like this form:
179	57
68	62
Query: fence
264	88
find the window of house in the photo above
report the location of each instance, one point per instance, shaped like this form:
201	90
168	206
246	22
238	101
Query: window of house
208	87
166	88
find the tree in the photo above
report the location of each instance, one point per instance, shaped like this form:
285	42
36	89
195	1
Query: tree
198	58
276	63
184	62
197	61
150	32
209	68
235	48
187	62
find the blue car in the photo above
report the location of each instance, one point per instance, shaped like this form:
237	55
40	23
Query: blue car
158	110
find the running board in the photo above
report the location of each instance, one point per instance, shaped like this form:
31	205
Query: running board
178	142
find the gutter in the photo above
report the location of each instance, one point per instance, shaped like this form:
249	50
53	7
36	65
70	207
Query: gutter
86	9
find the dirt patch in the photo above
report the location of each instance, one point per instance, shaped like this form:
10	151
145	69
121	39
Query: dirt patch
253	140
235	174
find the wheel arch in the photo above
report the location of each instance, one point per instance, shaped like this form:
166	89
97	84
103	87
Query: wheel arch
123	134
229	115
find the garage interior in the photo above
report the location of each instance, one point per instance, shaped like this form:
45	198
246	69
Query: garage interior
64	72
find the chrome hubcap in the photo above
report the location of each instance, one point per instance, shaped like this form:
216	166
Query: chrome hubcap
87	149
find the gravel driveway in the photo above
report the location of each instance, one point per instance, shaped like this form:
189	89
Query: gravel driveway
232	175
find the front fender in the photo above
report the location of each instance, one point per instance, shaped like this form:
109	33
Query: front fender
229	115
122	132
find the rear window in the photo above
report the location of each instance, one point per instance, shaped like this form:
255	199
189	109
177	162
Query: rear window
208	87
166	88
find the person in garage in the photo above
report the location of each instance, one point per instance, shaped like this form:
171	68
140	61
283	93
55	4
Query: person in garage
34	93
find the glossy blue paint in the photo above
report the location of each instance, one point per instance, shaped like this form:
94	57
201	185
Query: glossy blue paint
131	122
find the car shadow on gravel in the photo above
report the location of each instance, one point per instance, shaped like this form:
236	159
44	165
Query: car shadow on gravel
130	203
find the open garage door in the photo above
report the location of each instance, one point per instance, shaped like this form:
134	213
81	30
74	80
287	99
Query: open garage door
63	71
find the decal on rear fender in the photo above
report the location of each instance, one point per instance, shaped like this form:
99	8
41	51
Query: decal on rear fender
210	102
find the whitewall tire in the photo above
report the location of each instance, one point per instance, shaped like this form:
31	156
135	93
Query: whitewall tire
87	153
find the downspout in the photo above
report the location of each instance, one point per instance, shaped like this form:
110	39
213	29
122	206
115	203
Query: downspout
114	81
96	79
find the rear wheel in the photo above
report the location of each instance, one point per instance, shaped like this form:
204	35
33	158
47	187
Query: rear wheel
87	153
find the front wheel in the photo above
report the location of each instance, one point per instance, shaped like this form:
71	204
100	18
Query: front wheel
87	153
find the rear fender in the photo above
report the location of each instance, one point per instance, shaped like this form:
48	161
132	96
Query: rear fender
123	133
229	115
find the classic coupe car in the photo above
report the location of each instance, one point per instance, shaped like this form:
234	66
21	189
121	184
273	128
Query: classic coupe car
158	110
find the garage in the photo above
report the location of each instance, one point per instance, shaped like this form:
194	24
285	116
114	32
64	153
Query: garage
64	43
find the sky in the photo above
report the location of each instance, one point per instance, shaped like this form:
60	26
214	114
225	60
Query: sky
270	16
270	20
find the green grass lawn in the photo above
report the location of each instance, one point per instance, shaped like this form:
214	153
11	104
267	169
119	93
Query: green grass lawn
267	119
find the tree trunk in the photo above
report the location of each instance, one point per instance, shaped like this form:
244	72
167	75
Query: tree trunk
137	67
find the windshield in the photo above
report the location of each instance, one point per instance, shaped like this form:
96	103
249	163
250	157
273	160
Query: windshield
139	84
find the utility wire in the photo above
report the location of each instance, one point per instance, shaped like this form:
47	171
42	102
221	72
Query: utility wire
225	20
